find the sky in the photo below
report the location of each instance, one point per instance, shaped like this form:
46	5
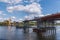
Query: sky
19	10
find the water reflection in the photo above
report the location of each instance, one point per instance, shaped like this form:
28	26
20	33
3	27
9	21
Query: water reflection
50	34
12	33
9	28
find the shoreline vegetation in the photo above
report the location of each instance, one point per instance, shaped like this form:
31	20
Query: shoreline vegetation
19	24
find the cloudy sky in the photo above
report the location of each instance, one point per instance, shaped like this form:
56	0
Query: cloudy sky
19	10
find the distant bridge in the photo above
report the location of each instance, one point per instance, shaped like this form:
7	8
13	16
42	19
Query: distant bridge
44	23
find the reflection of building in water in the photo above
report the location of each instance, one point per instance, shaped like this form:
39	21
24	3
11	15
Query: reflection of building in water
9	28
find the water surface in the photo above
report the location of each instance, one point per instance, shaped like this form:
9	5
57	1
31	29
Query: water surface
13	33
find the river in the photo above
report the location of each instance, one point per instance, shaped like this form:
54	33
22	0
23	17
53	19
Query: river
13	33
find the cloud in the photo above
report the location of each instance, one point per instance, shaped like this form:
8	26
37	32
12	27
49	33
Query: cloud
18	1
2	16
35	0
27	18
20	20
11	1
31	1
32	16
2	13
13	17
10	9
2	19
33	8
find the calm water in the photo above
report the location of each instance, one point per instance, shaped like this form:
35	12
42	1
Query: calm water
12	33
